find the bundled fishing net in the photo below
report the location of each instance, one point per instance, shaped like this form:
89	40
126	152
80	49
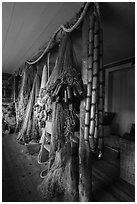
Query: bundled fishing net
40	107
64	79
58	180
23	96
68	86
25	134
53	183
20	107
35	133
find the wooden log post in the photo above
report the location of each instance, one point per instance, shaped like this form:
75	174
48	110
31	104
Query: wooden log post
101	93
85	154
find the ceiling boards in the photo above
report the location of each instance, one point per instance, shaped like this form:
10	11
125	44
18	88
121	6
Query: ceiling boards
26	26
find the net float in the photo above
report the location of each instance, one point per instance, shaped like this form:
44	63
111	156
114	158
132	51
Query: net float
92	127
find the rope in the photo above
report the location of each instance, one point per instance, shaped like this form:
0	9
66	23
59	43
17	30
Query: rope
67	30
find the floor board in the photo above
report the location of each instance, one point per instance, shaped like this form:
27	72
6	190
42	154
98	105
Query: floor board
20	176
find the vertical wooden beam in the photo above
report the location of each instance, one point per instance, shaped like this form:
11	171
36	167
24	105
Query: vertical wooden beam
85	155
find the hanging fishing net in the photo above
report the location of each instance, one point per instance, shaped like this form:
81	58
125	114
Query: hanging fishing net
22	99
29	128
63	87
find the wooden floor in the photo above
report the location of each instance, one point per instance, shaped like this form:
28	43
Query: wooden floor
20	177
